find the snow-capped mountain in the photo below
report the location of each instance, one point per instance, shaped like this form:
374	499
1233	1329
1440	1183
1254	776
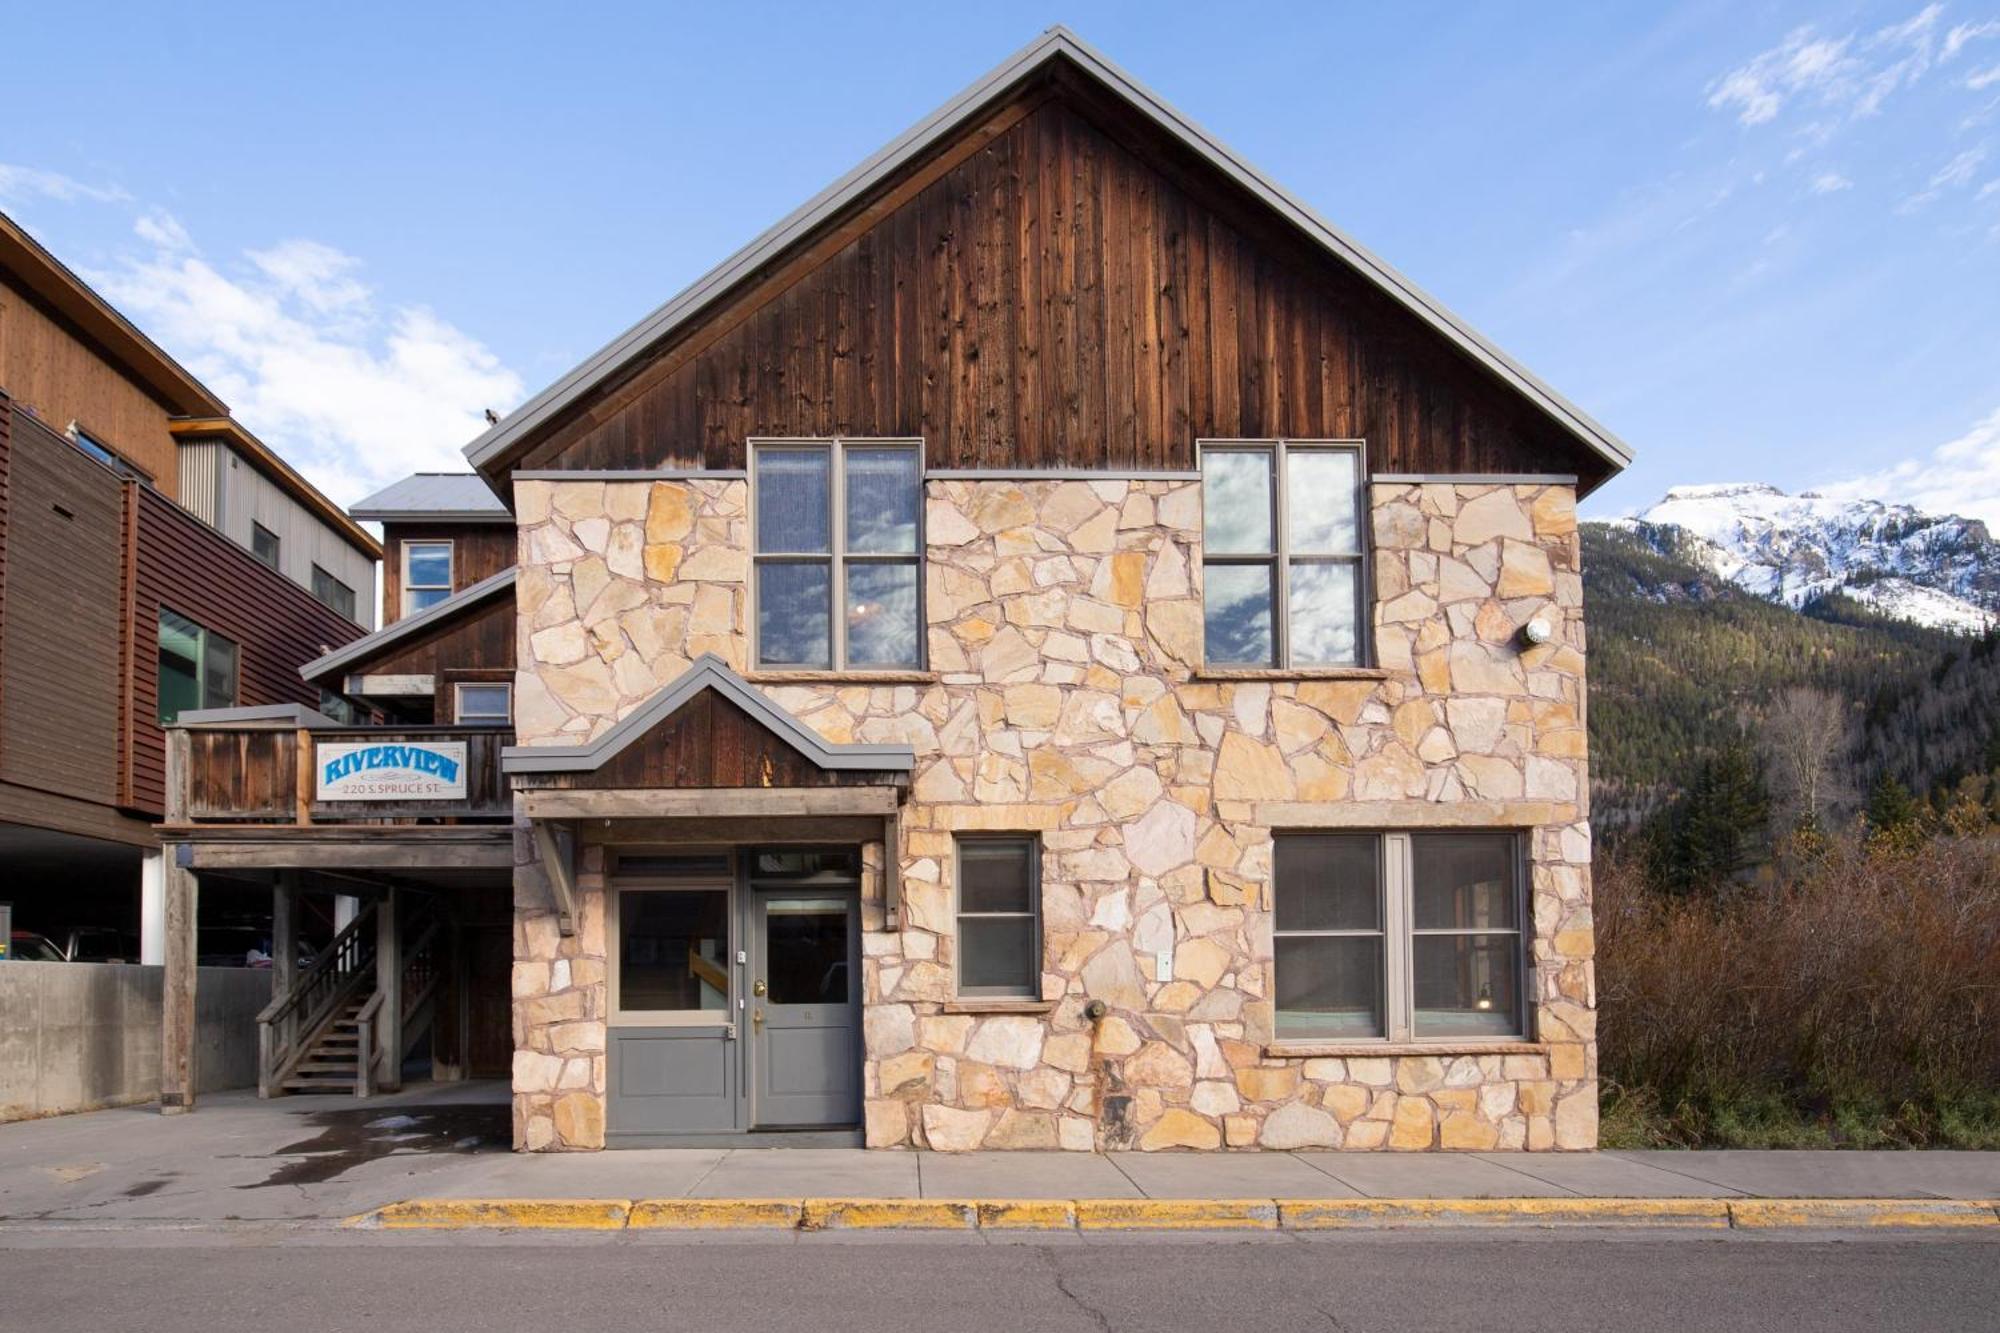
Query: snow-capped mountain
1930	569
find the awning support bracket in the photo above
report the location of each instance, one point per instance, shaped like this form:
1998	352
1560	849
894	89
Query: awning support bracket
561	871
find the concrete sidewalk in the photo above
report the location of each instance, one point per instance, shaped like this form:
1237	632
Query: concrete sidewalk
322	1159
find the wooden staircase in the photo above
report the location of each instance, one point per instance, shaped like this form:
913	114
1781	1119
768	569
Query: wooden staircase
357	1010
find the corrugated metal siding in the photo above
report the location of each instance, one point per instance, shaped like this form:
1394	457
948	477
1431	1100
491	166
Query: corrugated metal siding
248	497
276	624
201	481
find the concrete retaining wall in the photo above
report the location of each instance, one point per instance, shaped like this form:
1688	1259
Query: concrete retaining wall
78	1036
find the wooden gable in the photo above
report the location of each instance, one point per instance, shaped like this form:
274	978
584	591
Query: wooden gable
1061	285
711	742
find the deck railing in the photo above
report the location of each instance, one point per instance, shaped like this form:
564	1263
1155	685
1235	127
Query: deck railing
252	773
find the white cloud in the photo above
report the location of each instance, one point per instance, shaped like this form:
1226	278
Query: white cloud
1961	476
1831	182
1981	79
354	390
1964	33
17	182
1851	75
1953	175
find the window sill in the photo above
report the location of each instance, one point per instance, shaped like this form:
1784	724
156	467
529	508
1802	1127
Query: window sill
998	1004
1291	673
841	677
1441	1046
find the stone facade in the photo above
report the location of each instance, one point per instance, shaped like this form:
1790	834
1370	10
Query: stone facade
1064	696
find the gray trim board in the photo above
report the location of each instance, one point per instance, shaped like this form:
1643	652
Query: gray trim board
1057	43
1476	478
276	715
369	645
709	672
633	474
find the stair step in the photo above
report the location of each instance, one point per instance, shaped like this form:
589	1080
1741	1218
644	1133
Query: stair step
327	1067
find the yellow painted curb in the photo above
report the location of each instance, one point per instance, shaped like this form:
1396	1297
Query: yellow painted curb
1177	1214
1027	1214
542	1214
1332	1214
889	1215
718	1214
1757	1214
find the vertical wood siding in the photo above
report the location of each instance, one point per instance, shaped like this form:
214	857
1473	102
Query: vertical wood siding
479	551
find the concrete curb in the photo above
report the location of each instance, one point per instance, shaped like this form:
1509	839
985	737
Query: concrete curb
1167	1214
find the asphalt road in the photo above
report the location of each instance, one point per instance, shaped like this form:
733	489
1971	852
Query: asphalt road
50	1282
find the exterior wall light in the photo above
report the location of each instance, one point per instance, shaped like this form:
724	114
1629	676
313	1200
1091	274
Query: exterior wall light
1538	631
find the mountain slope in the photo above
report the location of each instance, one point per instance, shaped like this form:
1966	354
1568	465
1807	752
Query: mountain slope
1940	571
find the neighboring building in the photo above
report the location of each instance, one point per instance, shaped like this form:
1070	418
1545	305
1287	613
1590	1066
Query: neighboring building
154	558
1052	646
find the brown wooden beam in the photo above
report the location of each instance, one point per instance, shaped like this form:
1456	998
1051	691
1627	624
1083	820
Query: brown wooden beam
709	802
177	999
388	853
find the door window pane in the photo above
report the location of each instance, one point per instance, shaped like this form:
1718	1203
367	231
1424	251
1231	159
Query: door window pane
794	505
882	626
794	615
1237	614
1236	502
883	495
1320	494
1467	985
805	946
1329	985
1324	610
673	950
1330	882
1463	881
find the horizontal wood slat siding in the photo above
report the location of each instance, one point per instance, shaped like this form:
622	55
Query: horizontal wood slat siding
710	742
59	642
476	639
1064	296
479	551
277	626
253	776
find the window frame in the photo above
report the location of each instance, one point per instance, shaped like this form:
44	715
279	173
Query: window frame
405	587
352	610
1280	559
458	717
277	557
1396	853
204	636
618	883
1032	989
837	557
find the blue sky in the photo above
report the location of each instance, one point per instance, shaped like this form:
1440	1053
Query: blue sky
1758	240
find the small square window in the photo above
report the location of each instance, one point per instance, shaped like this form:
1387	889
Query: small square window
483	703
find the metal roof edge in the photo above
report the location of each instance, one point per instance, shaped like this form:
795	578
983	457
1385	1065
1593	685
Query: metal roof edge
707	672
276	715
1057	41
368	644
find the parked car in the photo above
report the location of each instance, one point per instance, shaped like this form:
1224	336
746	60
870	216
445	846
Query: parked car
25	946
101	944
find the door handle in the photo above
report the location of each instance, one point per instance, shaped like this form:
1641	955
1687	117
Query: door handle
757	1020
758	987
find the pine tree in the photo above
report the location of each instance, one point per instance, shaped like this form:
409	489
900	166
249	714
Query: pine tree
1710	835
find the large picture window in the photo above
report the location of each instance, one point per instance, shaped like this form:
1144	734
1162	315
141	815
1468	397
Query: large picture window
1401	936
999	916
838	552
197	667
1283	563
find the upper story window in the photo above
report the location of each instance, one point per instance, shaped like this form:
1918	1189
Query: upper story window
332	592
1401	936
1282	554
105	454
197	667
426	574
838	552
264	544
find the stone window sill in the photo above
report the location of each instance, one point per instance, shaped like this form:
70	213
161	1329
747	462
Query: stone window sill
1362	1050
841	677
998	1004
1291	673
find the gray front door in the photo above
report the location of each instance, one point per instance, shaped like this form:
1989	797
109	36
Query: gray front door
805	1008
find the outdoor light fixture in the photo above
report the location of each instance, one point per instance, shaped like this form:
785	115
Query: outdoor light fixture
1485	1000
1538	631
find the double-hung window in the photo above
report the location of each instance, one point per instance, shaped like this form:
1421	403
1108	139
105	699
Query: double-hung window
999	917
426	574
197	667
1282	554
1403	936
838	553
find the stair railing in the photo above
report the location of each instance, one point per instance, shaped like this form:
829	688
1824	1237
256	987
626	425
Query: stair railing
290	1025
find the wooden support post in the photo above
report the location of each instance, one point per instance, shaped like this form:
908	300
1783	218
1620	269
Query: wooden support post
304	771
177	1000
892	877
555	852
389	984
284	957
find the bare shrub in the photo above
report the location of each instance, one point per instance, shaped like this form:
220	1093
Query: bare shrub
1858	992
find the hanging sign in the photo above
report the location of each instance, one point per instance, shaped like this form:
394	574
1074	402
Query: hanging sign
391	771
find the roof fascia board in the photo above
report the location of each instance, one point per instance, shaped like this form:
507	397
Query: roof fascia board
709	672
369	645
498	517
489	449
